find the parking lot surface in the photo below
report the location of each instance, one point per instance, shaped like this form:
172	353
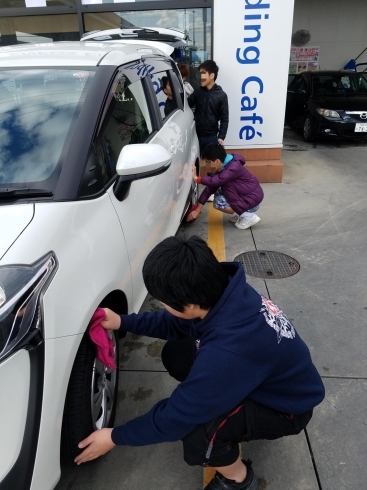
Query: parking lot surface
317	216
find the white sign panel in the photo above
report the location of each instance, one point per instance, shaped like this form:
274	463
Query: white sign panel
251	46
35	3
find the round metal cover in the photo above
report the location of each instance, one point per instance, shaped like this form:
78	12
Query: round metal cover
268	265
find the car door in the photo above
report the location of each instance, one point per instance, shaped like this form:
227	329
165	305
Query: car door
297	96
175	131
145	213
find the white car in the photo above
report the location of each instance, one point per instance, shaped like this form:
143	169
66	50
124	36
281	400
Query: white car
93	174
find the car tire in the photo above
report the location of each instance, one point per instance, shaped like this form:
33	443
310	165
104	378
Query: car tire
91	398
309	131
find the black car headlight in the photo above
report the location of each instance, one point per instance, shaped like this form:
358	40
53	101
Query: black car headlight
21	290
328	113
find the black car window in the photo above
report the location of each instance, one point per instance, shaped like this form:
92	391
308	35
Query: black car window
301	85
127	121
340	84
165	92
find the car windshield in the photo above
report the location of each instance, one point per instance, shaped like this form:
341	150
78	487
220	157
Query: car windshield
38	108
340	84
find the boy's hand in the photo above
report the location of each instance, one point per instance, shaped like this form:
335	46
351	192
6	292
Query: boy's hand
97	444
220	141
193	215
194	174
112	320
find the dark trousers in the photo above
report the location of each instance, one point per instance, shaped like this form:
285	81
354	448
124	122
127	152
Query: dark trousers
216	442
207	140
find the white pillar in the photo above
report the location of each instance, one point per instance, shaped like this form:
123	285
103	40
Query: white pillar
252	41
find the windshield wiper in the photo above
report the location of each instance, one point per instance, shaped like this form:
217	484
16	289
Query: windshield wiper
11	192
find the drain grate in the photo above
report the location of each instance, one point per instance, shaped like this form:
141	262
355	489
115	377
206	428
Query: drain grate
268	265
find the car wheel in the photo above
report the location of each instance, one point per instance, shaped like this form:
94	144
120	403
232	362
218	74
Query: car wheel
91	398
309	129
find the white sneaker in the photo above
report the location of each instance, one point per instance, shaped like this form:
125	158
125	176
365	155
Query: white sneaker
211	198
234	218
244	223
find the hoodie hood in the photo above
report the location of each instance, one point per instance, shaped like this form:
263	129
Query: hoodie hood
239	298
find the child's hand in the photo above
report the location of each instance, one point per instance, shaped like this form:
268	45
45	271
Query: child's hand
220	141
193	215
194	174
112	320
97	444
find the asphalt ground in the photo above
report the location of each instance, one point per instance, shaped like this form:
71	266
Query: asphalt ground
318	216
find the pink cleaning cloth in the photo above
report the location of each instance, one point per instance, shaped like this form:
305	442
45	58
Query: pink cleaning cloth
99	335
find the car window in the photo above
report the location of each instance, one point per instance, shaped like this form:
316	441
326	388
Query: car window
301	84
38	108
164	91
340	84
127	122
293	84
176	73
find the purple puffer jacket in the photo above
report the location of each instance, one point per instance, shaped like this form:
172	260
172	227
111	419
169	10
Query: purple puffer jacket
241	189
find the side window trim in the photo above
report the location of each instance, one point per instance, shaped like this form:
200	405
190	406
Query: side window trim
152	103
175	85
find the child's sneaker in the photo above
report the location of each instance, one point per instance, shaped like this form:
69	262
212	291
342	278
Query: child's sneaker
211	198
234	218
244	223
221	483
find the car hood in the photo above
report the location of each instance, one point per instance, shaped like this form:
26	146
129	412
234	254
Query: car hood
13	220
344	103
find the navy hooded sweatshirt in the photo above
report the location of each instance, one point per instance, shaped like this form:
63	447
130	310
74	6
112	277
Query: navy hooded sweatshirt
246	348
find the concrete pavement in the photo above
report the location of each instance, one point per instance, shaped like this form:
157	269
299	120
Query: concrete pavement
318	216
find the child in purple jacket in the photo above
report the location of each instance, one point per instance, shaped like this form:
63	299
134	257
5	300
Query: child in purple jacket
236	191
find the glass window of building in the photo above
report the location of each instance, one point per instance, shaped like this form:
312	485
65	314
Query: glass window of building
38	29
195	22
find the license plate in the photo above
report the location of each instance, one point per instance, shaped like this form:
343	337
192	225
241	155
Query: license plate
360	128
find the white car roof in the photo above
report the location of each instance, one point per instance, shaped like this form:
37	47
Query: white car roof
79	53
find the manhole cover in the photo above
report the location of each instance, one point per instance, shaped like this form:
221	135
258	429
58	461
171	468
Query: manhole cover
268	265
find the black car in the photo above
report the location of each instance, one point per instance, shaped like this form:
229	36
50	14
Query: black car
329	104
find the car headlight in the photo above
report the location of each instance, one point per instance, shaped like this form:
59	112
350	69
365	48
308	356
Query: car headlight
21	289
328	113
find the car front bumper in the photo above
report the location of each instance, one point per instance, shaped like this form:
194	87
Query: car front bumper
330	128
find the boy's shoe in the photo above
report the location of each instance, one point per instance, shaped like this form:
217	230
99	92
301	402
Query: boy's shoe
244	223
221	483
234	218
211	198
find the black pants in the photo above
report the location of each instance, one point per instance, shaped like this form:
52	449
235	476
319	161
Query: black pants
216	442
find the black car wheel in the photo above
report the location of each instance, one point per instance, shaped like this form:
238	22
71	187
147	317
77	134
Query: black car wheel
91	398
309	131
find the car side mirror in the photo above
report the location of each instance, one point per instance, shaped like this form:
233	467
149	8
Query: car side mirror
139	161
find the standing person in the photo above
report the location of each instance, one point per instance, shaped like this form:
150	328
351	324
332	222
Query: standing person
170	104
236	191
245	372
185	75
211	107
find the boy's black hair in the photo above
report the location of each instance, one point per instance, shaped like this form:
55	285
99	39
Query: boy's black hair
183	270
210	66
214	152
164	82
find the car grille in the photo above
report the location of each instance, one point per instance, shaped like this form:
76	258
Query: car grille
359	115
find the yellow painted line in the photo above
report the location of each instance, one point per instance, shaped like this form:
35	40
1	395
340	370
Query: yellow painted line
216	233
216	243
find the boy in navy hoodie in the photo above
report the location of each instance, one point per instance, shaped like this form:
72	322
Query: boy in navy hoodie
245	372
